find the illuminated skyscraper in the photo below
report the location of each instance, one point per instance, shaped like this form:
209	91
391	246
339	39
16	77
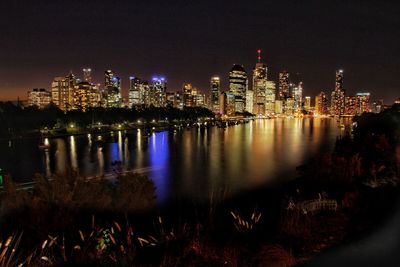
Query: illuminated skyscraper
363	100
270	93
112	90
215	93
307	103
297	94
338	96
86	95
249	101
188	99
351	105
136	92
158	92
284	85
260	73
62	89
321	104
238	86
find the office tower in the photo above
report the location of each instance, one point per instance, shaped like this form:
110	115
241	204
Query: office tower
270	94
284	84
112	90
200	100
338	96
363	100
157	91
137	91
62	89
249	101
238	86
87	75
231	104
321	104
188	100
351	105
289	106
260	73
296	94
307	103
86	95
227	104
215	85
39	97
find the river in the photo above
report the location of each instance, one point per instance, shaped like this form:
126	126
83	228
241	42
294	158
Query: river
192	163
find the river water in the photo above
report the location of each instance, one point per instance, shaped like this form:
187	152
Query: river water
192	163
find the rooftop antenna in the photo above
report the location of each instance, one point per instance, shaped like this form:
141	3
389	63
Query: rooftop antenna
259	55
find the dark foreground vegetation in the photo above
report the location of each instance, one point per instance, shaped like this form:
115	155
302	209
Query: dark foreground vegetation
338	197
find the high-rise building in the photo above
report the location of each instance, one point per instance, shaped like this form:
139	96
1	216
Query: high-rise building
86	95
249	101
307	103
87	75
297	94
188	99
112	90
351	105
321	104
215	92
338	96
62	89
238	86
289	106
200	100
284	84
260	73
363	100
270	93
39	97
227	104
137	90
158	90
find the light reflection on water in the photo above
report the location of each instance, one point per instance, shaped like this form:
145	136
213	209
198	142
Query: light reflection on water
192	162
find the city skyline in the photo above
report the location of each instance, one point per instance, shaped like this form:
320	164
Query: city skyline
197	41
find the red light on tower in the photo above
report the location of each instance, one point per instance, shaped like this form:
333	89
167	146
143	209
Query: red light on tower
259	55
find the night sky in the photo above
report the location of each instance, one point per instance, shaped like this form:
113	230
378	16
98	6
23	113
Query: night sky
189	41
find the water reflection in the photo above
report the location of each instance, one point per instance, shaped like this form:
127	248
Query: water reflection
47	158
159	164
60	156
192	162
73	154
100	160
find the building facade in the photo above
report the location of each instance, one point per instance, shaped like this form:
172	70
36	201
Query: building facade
39	97
238	86
338	96
62	91
215	85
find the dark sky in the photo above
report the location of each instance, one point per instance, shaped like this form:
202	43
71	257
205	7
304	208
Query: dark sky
189	41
